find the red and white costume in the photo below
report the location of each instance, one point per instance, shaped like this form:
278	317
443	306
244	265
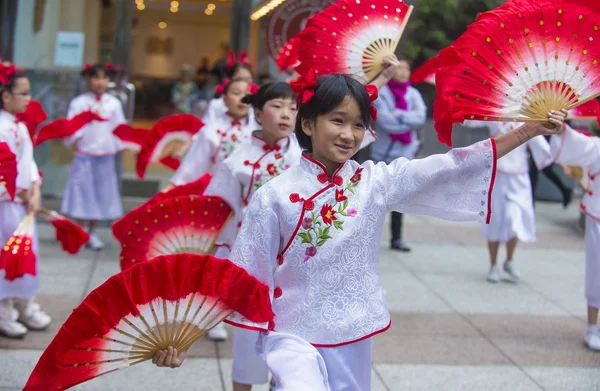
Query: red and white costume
217	109
512	204
92	191
213	144
16	135
578	149
315	242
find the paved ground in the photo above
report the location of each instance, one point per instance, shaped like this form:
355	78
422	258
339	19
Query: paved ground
451	329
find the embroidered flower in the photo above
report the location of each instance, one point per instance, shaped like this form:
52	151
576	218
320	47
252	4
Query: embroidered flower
234	137
356	176
307	223
286	166
257	177
351	212
339	195
278	156
271	169
310	252
328	214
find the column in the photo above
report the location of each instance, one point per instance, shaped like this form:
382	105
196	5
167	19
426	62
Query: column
8	17
240	25
122	42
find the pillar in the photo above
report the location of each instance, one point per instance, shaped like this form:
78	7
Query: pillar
8	18
240	25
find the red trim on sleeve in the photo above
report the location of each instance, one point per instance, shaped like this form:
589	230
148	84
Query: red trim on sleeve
491	189
316	345
243	326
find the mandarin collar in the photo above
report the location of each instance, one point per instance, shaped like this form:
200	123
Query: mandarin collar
320	172
9	116
281	144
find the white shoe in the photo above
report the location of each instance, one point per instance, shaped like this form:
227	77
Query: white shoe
31	315
493	275
592	339
95	243
218	333
511	270
8	320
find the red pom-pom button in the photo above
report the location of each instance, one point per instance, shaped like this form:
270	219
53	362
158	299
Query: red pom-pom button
295	197
277	292
309	205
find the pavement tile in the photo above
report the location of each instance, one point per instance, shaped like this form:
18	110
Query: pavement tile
566	379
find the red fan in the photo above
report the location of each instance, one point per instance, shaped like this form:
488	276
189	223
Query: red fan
176	128
132	138
170	301
70	235
288	55
519	62
66	127
171	162
8	170
197	187
186	224
589	110
426	72
17	257
352	37
33	116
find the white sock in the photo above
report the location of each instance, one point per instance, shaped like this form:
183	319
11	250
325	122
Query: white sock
592	328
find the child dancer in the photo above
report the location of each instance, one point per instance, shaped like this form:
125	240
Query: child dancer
312	235
220	138
18	308
270	152
578	149
92	191
401	111
513	216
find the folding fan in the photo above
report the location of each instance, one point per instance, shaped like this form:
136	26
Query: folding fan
166	135
119	227
519	62
33	116
425	73
352	37
70	235
131	138
589	110
63	127
8	170
185	224
17	257
288	57
172	300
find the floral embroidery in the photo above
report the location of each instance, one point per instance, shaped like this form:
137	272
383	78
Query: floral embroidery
230	139
316	228
271	171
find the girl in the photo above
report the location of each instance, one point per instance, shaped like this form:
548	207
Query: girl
312	235
270	152
219	138
578	149
513	216
185	91
401	111
18	308
92	191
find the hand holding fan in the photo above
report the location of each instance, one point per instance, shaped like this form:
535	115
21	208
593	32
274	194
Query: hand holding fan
17	257
63	127
352	37
8	170
170	301
519	62
186	224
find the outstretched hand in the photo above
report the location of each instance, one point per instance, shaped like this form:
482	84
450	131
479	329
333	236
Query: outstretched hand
169	358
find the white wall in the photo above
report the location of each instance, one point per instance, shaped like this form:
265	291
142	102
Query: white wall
195	35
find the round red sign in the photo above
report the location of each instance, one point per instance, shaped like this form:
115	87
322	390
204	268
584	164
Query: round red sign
289	19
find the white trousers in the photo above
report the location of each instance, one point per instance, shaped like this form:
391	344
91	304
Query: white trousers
296	365
592	262
248	367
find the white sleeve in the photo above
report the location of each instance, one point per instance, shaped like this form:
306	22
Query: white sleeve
35	173
196	162
72	112
540	151
118	118
575	149
225	184
25	161
257	244
453	186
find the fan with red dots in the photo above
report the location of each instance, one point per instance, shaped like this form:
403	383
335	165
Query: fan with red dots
352	37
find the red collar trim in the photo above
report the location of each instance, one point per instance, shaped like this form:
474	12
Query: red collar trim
280	143
316	166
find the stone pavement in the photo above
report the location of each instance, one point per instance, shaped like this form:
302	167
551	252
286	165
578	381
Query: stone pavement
451	330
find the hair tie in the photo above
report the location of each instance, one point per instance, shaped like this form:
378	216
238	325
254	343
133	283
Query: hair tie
304	87
232	60
221	88
87	66
253	88
109	67
6	72
373	95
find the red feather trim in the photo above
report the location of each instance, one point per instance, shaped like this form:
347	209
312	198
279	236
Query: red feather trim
8	170
588	110
63	127
70	235
171	162
133	138
288	57
17	257
171	278
426	72
32	117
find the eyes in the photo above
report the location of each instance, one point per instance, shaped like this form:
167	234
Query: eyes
340	121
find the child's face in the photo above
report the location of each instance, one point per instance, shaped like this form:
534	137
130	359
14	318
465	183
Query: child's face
242	73
277	118
402	73
336	136
98	83
16	101
233	99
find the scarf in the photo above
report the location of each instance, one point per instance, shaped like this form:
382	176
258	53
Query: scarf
399	91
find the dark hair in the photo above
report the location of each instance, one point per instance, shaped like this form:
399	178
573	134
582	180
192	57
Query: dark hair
330	92
233	70
402	57
12	81
96	68
278	90
226	90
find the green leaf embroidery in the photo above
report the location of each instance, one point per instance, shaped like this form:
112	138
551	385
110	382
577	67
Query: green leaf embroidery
321	242
325	237
306	237
320	232
326	231
338	224
345	205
